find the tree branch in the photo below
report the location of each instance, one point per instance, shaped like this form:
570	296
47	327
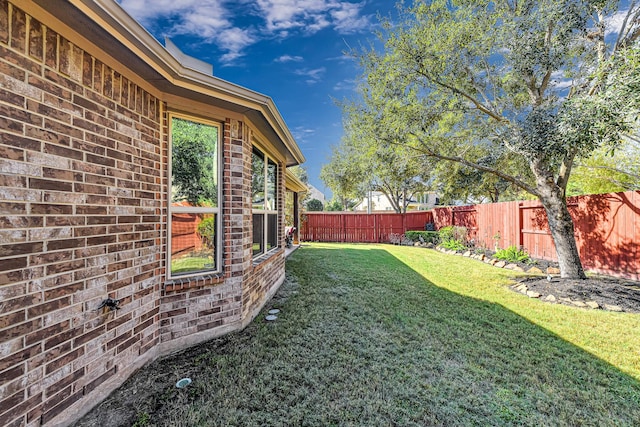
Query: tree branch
565	170
515	181
479	105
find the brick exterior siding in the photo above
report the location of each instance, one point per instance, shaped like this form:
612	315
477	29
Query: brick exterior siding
83	217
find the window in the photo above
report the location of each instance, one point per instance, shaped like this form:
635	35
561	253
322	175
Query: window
264	191
194	211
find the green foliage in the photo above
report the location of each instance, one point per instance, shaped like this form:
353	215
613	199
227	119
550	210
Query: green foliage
427	236
194	162
142	420
314	205
343	176
512	254
452	232
207	231
454	244
485	85
333	206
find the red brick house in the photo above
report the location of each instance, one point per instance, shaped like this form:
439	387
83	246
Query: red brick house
130	177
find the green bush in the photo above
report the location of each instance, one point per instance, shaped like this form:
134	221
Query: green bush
207	231
427	236
512	254
452	232
453	244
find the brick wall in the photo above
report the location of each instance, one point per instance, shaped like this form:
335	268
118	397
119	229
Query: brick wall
83	161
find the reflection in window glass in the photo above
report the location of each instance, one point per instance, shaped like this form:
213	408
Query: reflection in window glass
193	242
193	212
272	231
194	163
257	180
265	216
271	186
258	233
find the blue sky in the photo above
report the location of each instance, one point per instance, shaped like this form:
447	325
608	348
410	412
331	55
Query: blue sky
290	50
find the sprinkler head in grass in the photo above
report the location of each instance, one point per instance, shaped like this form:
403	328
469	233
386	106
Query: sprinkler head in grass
183	382
271	317
274	311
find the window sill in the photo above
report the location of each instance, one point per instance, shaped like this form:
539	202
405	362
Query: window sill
257	261
193	282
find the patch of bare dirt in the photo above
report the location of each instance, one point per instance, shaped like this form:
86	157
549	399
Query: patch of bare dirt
610	293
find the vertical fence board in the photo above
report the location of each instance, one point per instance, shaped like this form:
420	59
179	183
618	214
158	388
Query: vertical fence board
360	228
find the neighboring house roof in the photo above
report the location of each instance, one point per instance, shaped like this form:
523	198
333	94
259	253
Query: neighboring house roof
122	37
316	194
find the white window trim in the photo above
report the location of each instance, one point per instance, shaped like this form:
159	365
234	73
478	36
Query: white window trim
195	209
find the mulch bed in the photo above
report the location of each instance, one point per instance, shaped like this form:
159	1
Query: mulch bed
605	290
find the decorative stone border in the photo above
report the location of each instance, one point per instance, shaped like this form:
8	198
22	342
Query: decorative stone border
522	287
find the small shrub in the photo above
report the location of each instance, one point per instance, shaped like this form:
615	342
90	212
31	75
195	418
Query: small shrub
512	254
427	236
453	244
452	232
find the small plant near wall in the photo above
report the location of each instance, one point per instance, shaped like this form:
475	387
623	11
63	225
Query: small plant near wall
427	236
453	244
496	239
513	254
453	237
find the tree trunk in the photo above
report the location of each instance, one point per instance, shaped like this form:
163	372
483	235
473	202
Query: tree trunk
561	228
554	201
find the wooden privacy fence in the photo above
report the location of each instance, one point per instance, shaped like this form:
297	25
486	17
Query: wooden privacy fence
360	227
607	228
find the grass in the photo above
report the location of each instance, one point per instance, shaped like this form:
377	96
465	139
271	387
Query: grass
377	335
190	264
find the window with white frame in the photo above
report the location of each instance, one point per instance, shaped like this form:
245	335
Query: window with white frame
264	187
194	209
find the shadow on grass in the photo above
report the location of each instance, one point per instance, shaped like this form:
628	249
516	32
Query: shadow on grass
364	340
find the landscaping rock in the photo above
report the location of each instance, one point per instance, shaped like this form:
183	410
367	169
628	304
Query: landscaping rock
493	261
578	304
533	294
481	257
467	254
550	298
592	304
534	270
522	288
500	264
514	267
416	244
611	307
553	270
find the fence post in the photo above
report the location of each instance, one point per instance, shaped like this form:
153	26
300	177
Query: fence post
519	225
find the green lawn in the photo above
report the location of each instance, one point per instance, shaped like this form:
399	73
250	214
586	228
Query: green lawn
380	335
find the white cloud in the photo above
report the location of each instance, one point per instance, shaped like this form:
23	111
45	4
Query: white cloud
289	58
301	133
212	21
614	23
311	16
313	75
348	84
207	20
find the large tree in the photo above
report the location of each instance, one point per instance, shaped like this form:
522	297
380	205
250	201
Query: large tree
382	165
526	78
343	176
